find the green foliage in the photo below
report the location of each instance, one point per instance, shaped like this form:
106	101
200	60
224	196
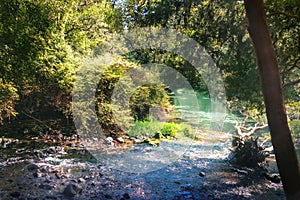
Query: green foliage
8	98
145	128
169	129
295	128
147	97
221	28
283	18
157	129
115	84
43	43
293	111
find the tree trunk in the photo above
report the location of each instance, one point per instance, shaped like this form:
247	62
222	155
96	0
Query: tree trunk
273	96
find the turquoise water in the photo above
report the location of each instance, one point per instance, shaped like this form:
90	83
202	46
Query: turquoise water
201	116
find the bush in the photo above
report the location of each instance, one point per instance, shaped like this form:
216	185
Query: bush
115	87
157	128
145	128
170	129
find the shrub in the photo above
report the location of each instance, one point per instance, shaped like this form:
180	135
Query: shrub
170	129
158	129
145	128
114	87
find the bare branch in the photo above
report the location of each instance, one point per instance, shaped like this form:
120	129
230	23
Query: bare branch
248	131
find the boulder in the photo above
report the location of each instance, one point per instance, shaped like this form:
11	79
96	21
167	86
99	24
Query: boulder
71	190
32	167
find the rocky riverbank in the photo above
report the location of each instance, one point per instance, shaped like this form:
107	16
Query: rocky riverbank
68	171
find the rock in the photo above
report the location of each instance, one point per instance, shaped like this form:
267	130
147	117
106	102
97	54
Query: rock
71	190
36	175
109	141
81	180
240	171
275	178
108	196
120	139
46	187
202	174
32	167
137	141
15	194
58	176
152	142
184	193
158	135
51	150
186	187
126	196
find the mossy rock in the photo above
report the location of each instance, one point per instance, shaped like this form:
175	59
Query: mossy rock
152	142
158	135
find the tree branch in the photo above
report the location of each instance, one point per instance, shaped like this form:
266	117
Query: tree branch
250	130
292	83
283	13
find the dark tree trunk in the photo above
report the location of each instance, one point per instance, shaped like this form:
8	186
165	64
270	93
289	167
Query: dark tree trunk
273	96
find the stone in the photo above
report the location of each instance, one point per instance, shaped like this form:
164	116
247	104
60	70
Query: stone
15	194
81	180
186	187
158	135
109	141
275	178
58	176
126	196
108	196
184	192
45	186
32	167
120	140
137	141
240	171
36	175
51	150
71	190
202	174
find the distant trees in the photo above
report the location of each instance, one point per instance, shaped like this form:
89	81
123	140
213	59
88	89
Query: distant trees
273	97
220	27
42	43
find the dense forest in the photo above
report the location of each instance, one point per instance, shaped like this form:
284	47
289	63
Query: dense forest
130	67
